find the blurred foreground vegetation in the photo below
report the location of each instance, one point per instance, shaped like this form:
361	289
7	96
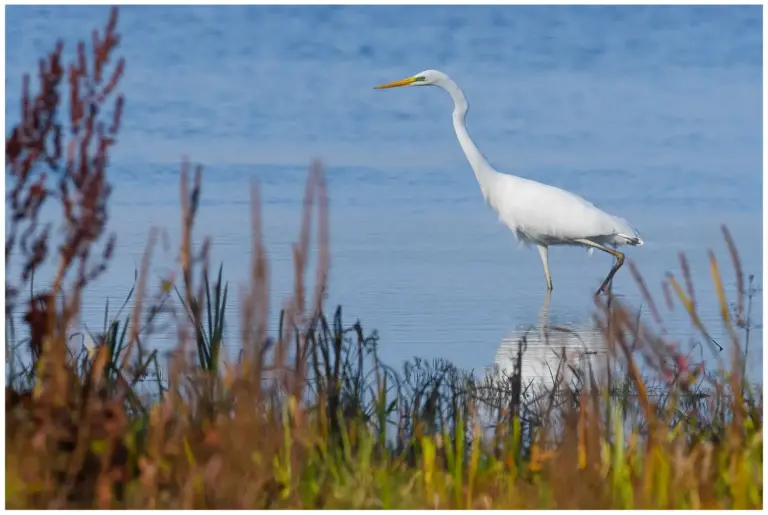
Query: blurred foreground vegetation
310	417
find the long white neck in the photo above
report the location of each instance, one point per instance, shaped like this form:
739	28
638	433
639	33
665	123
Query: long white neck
483	171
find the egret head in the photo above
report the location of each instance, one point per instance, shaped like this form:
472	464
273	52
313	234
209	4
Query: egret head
425	78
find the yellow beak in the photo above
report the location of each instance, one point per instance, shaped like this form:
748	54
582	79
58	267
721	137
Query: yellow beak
397	83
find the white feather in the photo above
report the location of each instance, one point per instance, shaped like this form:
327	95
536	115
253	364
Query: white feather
536	213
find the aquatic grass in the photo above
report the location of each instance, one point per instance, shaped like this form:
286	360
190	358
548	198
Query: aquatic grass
208	341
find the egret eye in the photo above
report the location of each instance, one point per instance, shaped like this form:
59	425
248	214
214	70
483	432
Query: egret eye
421	79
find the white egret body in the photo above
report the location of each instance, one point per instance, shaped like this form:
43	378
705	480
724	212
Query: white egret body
537	213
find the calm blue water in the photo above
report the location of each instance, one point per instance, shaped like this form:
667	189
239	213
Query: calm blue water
653	113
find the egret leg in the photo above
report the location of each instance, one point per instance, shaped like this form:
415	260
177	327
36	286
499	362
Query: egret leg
615	268
543	253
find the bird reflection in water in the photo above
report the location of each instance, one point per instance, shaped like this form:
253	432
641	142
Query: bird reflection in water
546	354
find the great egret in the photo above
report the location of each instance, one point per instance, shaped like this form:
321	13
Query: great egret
537	213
